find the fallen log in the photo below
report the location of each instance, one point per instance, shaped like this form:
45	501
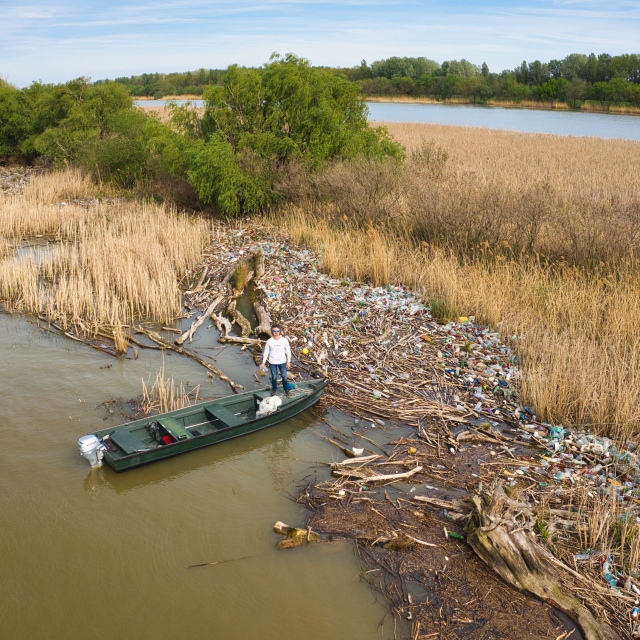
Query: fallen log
394	476
294	535
200	282
188	335
258	265
264	320
222	324
240	340
400	541
238	318
262	315
363	477
360	460
436	502
501	532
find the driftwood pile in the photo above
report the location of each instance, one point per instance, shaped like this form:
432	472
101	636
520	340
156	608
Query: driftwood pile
388	361
501	530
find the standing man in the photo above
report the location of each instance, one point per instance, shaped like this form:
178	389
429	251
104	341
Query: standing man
277	352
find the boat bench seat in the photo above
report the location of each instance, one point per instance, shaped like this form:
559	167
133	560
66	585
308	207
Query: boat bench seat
225	416
127	442
175	429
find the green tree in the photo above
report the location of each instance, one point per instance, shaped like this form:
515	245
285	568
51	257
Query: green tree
13	121
513	90
591	68
554	90
577	90
538	73
626	66
604	67
462	68
451	86
575	65
262	119
404	86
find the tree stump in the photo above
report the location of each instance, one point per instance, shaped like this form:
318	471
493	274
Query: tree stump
501	532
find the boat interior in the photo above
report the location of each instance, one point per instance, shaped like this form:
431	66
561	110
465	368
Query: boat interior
205	419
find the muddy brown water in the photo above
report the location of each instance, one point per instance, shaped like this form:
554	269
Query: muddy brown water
95	554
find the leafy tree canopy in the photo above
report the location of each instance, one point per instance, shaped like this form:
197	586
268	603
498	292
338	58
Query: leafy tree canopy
260	119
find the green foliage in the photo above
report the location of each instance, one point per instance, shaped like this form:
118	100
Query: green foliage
542	528
164	84
168	147
575	78
120	155
13	120
260	120
59	121
553	90
217	174
442	313
404	68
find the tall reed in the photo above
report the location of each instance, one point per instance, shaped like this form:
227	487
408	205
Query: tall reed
165	395
104	267
535	235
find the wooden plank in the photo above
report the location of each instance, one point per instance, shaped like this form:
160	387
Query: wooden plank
225	416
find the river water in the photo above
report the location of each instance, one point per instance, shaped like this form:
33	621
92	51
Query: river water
95	554
569	123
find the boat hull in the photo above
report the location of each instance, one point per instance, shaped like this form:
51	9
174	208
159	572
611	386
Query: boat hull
169	434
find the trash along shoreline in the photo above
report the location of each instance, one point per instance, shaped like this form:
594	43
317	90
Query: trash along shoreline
442	468
552	511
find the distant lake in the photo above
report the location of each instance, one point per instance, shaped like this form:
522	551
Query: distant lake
564	123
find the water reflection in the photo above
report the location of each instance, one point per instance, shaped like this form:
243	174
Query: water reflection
274	444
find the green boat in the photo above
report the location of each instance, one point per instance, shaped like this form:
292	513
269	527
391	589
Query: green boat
169	434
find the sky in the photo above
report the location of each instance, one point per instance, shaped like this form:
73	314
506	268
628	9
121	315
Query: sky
60	40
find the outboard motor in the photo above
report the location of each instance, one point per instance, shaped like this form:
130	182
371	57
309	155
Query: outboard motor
92	449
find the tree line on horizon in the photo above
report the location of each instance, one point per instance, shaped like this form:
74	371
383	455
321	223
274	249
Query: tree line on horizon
574	79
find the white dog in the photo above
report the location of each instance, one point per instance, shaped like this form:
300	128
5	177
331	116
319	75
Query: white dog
268	405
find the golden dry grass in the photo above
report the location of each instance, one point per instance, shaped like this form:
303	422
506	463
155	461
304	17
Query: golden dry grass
99	267
604	523
571	292
165	395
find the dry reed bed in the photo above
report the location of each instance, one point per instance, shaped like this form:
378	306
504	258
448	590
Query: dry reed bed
100	266
577	325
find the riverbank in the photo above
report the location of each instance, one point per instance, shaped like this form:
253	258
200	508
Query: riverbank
342	312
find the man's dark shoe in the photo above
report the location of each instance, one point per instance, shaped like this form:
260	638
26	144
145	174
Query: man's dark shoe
273	393
286	393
